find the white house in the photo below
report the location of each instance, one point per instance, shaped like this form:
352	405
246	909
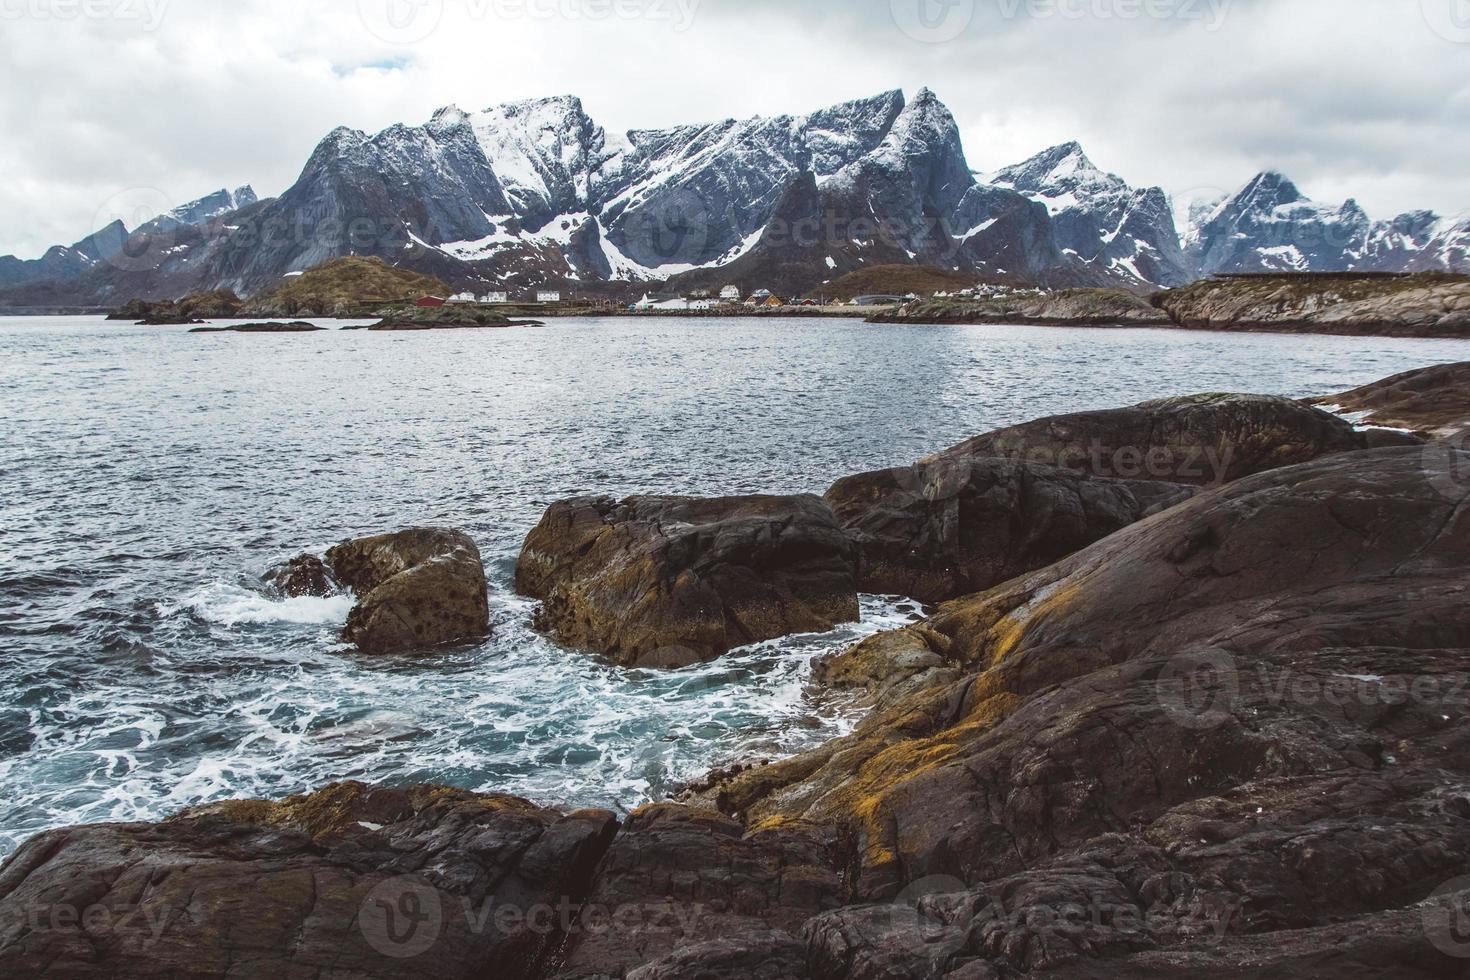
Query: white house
548	296
463	298
730	293
495	298
701	304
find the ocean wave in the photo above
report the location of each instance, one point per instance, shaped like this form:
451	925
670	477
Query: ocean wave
235	605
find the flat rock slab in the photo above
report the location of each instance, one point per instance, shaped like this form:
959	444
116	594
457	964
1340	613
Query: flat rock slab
418	588
671	581
351	882
956	526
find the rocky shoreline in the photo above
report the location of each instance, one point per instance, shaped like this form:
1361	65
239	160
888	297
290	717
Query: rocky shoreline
1193	705
1420	305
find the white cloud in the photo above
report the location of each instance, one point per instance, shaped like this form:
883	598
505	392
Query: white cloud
1348	98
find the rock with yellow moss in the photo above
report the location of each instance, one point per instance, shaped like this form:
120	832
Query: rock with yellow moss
1243	722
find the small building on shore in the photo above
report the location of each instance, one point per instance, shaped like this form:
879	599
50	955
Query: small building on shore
427	302
548	296
496	297
730	294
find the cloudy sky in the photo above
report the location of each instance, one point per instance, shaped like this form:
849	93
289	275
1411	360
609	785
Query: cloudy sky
118	104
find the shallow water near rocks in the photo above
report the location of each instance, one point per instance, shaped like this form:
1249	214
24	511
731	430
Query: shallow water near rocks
148	476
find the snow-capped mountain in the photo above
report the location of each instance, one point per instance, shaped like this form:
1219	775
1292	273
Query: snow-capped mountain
209	207
1269	225
1127	232
536	193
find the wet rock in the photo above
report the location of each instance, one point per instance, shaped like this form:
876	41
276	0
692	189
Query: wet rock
693	890
416	589
885	668
1433	401
959	525
670	581
351	882
1199	440
306	575
1243	722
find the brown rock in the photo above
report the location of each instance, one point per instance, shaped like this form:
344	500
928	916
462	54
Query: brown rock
306	575
959	525
1200	440
1433	401
691	886
1246	718
350	882
416	589
670	581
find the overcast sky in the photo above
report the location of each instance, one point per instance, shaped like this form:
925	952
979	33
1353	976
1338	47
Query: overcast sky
117	104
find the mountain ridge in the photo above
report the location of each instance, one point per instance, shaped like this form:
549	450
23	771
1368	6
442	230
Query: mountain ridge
535	193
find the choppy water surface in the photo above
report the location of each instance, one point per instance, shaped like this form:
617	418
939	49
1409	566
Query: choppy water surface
148	476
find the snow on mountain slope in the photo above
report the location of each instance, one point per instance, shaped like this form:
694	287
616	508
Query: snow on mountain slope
1128	232
1269	225
535	192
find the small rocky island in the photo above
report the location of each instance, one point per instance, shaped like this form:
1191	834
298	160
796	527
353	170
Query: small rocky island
1193	707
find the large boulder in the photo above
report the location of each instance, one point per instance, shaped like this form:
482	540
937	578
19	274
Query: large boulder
959	525
1234	736
1434	401
350	882
1200	440
670	581
417	588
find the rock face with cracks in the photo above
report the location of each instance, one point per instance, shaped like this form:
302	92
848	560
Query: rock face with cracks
951	527
671	581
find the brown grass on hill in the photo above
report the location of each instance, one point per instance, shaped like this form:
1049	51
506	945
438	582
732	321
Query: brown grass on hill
924	280
347	282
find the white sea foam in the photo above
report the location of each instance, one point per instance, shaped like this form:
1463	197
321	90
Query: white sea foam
233	605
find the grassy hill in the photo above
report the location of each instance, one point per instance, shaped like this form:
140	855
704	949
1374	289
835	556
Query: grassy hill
343	285
900	280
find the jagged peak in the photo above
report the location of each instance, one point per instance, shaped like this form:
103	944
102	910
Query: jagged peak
448	117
